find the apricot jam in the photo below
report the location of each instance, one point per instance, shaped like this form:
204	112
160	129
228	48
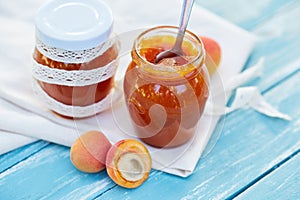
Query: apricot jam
166	100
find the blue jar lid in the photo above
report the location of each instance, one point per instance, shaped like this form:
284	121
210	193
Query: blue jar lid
73	24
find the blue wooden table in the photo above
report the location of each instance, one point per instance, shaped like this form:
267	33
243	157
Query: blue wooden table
256	157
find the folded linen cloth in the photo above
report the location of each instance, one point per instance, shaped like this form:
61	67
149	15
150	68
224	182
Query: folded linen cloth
22	114
10	141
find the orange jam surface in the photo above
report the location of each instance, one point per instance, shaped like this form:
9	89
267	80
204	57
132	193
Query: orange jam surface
78	95
165	110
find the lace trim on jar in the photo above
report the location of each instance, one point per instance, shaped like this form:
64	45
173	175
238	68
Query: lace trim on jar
74	111
73	77
66	56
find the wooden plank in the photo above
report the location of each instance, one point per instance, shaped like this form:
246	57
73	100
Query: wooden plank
280	48
50	174
248	14
283	183
11	158
278	39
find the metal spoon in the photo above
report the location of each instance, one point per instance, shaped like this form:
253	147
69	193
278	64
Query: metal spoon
176	51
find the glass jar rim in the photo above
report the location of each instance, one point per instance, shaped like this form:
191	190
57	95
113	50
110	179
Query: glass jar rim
174	29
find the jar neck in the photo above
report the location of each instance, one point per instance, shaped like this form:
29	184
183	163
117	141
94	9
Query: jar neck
153	41
161	71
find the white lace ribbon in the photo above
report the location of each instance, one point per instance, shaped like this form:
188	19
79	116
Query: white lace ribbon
75	111
66	56
73	77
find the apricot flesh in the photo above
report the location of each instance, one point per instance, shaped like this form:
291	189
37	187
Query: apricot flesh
88	152
213	54
128	163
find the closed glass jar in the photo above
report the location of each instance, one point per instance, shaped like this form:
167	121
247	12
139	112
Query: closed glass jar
74	59
166	100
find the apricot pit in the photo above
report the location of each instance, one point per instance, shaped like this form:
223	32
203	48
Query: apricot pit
128	163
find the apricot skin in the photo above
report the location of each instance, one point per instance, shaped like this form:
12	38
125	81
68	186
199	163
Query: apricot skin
114	156
213	54
88	152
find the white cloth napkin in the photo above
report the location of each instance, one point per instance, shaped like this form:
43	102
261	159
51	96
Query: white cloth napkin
24	119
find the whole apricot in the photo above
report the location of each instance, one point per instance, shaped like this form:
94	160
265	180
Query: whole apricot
88	152
128	163
213	54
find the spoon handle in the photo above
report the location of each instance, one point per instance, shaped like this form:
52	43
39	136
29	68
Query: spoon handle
184	19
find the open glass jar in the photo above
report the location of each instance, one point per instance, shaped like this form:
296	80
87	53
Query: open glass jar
166	100
74	59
